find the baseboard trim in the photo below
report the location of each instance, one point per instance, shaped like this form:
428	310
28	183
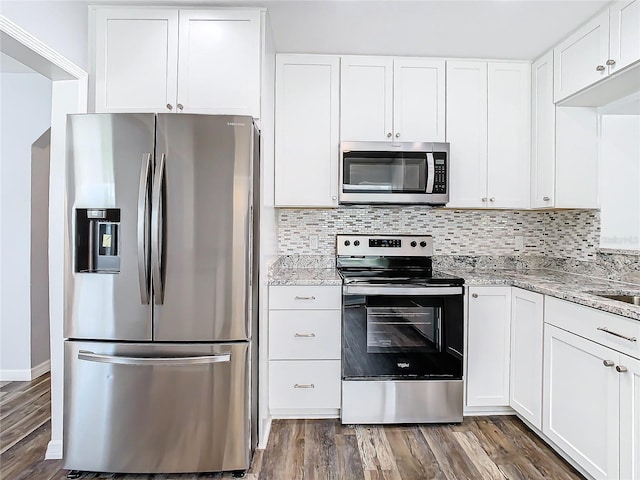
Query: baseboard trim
54	450
25	375
266	430
480	411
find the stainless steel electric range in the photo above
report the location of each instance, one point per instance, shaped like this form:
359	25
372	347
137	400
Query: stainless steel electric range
402	332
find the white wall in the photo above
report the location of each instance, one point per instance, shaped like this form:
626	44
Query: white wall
620	180
25	114
62	25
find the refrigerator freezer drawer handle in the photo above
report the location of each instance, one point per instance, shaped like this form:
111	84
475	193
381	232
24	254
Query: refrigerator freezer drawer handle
156	232
143	255
115	359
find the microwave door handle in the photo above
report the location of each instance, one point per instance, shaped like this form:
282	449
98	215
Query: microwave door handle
431	172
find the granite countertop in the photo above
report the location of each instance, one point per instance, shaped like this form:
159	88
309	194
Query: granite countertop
573	287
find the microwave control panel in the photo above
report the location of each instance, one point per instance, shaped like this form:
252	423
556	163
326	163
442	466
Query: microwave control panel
440	168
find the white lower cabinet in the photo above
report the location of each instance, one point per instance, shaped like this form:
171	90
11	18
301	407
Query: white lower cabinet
304	351
527	311
488	347
591	407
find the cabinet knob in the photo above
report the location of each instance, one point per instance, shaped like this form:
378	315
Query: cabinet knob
304	385
397	134
621	368
492	199
169	106
180	107
334	198
608	363
474	295
600	68
484	199
611	62
389	135
546	199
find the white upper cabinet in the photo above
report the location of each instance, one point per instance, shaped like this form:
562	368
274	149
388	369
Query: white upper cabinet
306	133
136	59
624	29
581	59
219	62
467	133
509	133
543	133
488	127
170	60
605	45
387	99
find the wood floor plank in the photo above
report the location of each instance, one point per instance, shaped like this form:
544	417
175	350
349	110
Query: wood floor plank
349	462
414	458
469	443
320	456
22	401
455	464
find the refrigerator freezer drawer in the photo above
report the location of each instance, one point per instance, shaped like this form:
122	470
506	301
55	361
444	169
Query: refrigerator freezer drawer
142	408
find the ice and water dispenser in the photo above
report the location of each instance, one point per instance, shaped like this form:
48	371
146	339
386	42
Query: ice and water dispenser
98	240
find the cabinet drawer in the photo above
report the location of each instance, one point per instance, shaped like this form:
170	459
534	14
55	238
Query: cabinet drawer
585	321
304	384
305	297
304	334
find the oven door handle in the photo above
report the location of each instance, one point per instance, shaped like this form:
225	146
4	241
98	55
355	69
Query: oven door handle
413	291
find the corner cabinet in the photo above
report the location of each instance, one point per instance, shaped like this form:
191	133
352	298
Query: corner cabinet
306	133
170	60
488	346
392	99
488	127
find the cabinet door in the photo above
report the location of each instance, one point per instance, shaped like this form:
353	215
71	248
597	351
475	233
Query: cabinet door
582	401
526	355
219	62
624	48
366	99
488	345
508	134
306	134
630	418
578	58
543	133
418	100
136	59
467	133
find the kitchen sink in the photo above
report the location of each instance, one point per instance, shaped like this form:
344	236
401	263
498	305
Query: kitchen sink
632	299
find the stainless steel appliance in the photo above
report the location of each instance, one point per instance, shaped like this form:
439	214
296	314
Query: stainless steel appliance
160	287
394	173
403	338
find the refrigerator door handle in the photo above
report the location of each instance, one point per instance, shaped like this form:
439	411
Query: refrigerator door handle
156	228
143	228
115	359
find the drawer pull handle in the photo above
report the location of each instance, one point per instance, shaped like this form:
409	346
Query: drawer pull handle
606	330
305	335
608	363
304	385
305	298
621	368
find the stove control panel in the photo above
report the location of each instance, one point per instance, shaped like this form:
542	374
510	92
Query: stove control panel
385	245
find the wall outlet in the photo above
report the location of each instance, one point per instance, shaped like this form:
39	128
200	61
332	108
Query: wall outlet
313	241
519	242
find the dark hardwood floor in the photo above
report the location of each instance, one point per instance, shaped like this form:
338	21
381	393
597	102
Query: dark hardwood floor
479	448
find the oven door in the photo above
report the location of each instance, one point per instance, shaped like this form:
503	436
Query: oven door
402	332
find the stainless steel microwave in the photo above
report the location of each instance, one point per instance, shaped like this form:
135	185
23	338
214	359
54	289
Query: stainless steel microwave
394	173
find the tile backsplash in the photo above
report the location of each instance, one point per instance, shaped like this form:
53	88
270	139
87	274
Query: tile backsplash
572	234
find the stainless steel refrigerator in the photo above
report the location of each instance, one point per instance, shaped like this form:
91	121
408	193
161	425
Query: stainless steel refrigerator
160	293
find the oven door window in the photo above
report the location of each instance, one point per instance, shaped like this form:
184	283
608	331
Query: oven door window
403	328
384	172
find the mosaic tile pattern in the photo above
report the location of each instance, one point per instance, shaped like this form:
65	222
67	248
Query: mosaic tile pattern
572	234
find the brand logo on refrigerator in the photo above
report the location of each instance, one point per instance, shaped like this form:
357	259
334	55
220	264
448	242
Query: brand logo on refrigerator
236	124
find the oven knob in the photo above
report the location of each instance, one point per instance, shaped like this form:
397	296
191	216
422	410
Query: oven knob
413	244
347	243
423	244
356	243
